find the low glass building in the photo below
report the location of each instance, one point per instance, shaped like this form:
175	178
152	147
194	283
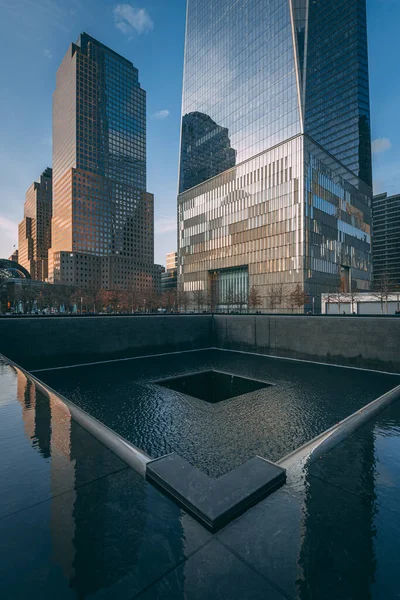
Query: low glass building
275	168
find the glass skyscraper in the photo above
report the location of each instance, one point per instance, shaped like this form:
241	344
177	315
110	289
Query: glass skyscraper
34	232
275	166
103	221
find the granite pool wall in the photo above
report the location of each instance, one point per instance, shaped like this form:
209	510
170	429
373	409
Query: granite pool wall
39	342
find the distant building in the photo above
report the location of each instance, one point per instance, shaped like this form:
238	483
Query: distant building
14	256
386	240
103	217
171	261
367	303
34	232
169	278
275	164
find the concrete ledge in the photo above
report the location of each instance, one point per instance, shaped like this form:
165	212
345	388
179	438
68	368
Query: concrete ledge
215	502
132	456
330	438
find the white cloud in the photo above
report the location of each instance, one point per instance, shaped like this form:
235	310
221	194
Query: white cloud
48	53
131	20
380	145
161	114
165	225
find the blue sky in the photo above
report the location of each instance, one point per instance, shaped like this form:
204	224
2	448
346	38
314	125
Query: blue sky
35	35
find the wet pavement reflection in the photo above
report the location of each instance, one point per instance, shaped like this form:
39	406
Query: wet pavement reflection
76	522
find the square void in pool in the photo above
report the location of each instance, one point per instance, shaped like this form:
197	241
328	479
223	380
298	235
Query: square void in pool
213	386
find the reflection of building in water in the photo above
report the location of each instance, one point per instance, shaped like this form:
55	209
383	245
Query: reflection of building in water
296	208
327	547
98	536
47	424
103	541
26	395
205	150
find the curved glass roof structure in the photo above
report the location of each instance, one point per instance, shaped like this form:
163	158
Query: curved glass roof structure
12	270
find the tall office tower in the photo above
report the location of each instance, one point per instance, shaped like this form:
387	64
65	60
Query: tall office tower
103	218
386	241
34	232
275	167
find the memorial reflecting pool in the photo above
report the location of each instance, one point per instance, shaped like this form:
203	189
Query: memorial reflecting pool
299	401
77	523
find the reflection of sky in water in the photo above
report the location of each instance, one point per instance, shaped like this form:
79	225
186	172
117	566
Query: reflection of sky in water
305	400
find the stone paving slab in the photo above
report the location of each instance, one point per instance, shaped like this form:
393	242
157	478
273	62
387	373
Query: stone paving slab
215	502
213	573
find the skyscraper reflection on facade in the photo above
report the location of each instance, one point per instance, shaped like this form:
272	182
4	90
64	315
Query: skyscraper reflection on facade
283	89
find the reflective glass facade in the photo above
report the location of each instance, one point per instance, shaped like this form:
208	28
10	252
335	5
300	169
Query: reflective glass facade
101	207
337	111
239	89
295	208
386	241
293	215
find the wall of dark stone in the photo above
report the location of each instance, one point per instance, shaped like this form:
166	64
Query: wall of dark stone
40	342
368	342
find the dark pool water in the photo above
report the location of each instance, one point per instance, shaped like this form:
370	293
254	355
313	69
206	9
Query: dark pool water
304	400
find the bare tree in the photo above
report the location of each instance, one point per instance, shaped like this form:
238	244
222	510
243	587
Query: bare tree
168	300
150	301
230	298
241	300
298	298
115	299
199	299
25	296
133	298
183	300
154	301
44	297
255	299
382	288
352	295
83	299
94	297
338	295
211	298
275	296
